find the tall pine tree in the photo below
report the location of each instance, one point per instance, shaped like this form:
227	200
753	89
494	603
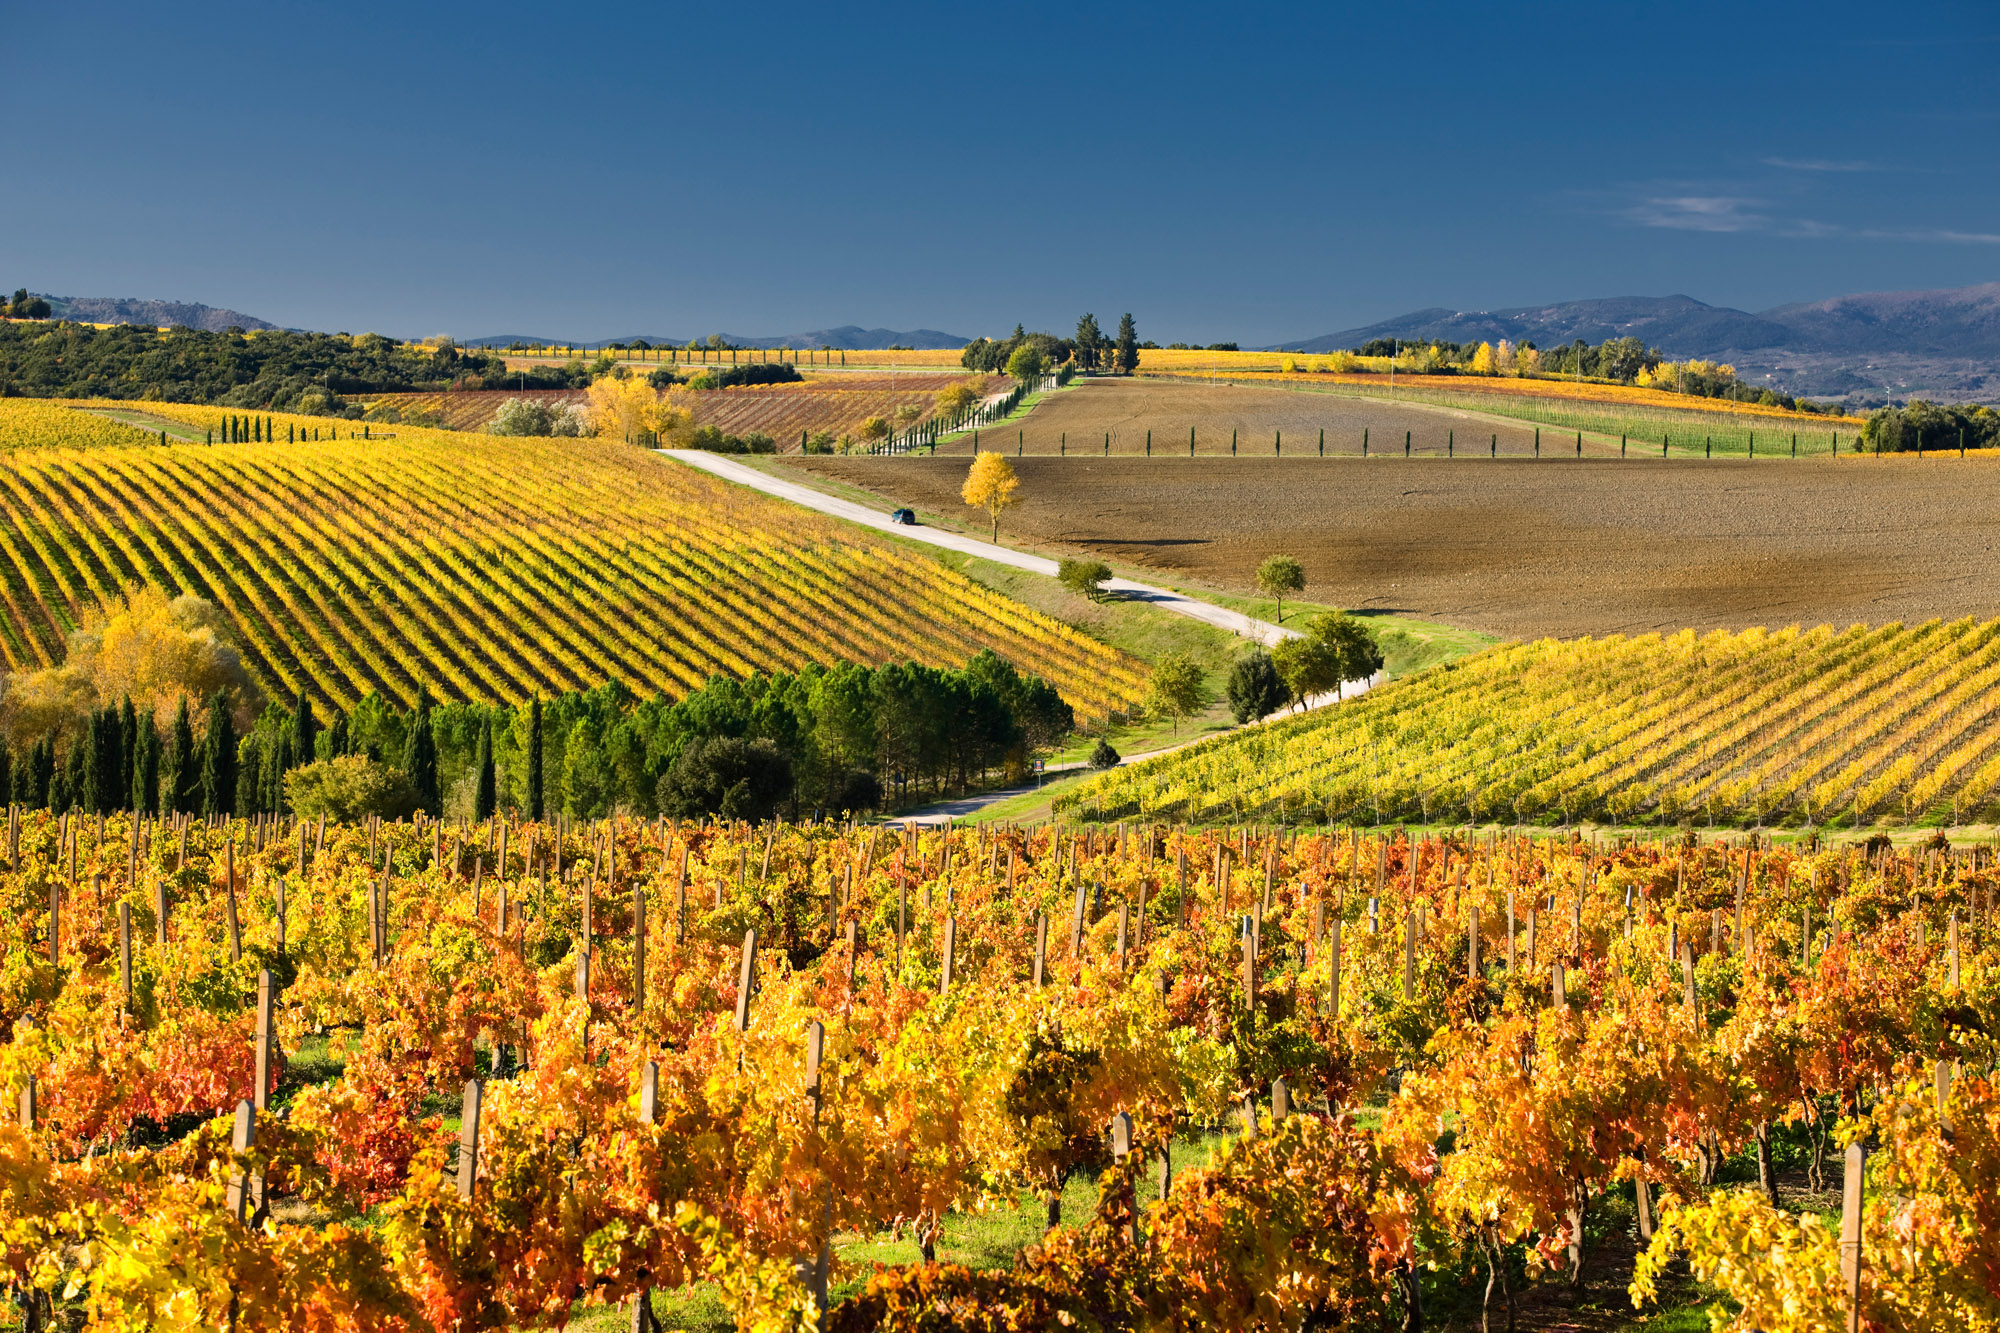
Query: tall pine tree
420	759
218	759
1128	345
484	795
535	759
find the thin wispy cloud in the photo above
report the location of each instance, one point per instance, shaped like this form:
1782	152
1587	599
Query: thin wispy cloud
1700	212
1818	164
1939	235
1696	209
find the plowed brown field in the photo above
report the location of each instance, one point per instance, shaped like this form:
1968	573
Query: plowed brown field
1517	547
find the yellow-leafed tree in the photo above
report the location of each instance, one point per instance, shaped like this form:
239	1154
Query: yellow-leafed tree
628	407
991	485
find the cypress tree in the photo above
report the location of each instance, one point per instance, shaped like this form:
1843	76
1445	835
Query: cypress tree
182	766
218	759
535	759
128	742
99	790
249	776
420	761
336	737
304	729
8	769
484	796
42	772
146	774
278	755
84	765
67	788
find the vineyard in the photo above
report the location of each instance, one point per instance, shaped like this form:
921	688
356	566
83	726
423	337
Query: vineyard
32	423
490	572
837	404
1799	727
443	1076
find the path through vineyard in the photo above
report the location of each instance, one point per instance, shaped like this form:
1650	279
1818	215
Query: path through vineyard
1235	622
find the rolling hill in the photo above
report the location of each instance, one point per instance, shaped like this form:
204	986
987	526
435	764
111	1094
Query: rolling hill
1943	343
518	567
128	310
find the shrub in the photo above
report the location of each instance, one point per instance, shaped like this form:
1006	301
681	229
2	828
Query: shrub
1103	756
727	776
349	788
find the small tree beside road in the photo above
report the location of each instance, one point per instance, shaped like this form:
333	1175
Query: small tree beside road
1177	689
991	485
1279	576
1085	578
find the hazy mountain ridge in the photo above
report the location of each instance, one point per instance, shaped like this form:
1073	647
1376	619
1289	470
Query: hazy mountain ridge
130	310
1942	343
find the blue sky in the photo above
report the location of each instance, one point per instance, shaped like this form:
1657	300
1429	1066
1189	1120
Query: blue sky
1223	172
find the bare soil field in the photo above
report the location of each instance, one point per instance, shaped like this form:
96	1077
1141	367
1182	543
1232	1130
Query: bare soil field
1516	547
1261	421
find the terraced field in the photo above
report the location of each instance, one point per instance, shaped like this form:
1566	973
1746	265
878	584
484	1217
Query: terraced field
490	567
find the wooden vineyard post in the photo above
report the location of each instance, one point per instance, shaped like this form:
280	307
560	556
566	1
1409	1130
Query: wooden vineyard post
638	950
261	1093
1510	931
235	926
1851	1201
279	912
814	1268
55	924
1642	1195
160	911
1076	922
1333	972
1249	972
1472	944
27	1104
1951	951
1041	946
1409	955
1180	861
1124	923
468	1138
1121	1148
950	950
242	1141
1942	1075
583	974
746	980
1558	994
1281	1101
125	952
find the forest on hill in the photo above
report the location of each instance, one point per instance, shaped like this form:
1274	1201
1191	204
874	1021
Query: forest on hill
311	373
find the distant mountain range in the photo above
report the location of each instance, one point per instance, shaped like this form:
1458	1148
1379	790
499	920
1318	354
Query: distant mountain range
1936	344
125	310
848	336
